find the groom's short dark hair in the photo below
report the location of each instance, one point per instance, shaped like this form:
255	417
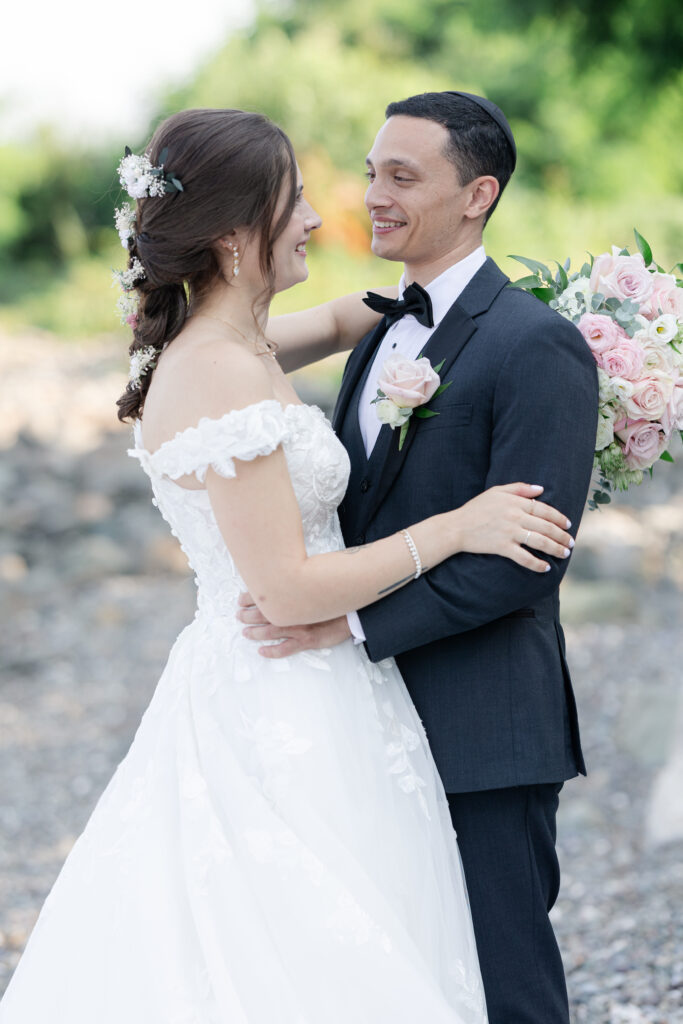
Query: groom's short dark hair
477	145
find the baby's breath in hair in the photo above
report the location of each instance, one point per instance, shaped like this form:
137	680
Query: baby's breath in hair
124	218
127	279
140	362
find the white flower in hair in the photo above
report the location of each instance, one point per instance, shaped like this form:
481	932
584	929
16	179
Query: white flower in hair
140	178
127	279
124	219
135	174
127	305
140	362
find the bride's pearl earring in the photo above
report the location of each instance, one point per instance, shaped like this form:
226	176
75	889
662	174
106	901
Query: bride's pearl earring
235	260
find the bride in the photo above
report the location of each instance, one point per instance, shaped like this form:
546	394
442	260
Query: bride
276	847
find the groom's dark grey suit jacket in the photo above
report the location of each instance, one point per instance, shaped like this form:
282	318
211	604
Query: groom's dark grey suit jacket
478	638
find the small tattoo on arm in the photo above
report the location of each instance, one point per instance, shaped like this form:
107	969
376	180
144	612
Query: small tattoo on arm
394	586
400	583
359	547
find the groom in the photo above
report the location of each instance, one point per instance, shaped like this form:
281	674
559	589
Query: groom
478	639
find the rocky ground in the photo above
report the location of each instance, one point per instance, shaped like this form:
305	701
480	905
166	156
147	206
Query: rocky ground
93	591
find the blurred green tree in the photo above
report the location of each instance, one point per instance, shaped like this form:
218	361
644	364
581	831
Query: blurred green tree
594	93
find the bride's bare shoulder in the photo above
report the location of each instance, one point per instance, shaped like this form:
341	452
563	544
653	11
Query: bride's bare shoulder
197	376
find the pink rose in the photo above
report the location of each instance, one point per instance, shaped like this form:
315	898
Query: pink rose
601	332
673	414
622	277
643	443
625	360
650	396
666	297
408	382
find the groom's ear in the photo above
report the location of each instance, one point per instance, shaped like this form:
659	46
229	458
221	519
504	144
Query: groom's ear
483	193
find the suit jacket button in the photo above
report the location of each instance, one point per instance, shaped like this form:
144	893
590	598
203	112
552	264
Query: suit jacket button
360	539
364	485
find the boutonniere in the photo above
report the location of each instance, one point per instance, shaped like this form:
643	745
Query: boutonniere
404	387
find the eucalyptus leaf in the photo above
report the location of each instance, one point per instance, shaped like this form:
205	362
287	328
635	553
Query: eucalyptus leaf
613	304
567	263
163	156
601	498
128	151
624	252
178	184
644	248
586	270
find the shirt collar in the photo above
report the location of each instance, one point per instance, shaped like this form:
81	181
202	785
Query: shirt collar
448	286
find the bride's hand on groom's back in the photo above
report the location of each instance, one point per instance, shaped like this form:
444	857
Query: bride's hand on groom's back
510	519
291	639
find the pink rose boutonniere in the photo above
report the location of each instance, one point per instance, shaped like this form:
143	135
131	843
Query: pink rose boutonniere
404	387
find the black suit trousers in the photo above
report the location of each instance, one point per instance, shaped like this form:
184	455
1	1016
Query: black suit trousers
507	844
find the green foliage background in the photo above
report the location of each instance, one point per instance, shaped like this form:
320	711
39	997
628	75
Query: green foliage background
594	93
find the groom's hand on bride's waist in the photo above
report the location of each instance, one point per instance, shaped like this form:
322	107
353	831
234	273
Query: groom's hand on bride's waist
290	639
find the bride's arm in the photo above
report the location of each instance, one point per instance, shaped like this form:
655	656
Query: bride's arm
321	331
259	519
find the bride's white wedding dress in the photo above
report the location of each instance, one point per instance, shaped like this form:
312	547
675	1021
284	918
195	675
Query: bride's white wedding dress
276	846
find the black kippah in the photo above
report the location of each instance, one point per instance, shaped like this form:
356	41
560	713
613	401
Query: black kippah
496	114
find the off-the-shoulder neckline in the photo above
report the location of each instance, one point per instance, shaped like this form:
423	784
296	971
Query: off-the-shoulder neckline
137	424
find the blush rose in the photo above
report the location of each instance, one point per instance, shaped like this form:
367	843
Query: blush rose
650	397
625	360
643	443
666	297
601	332
622	277
409	383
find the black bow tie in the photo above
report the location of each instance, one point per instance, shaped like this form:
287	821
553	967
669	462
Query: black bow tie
415	300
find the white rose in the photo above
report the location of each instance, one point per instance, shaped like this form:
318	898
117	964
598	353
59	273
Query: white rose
389	412
658	357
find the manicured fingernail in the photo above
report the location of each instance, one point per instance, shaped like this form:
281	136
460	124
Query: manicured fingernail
571	542
547	569
537	487
569	524
567	553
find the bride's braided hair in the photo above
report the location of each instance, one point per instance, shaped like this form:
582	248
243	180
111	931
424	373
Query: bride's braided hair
232	165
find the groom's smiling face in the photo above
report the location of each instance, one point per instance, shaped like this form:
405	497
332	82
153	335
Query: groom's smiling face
418	207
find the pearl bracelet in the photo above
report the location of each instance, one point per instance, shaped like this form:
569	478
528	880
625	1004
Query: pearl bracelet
414	552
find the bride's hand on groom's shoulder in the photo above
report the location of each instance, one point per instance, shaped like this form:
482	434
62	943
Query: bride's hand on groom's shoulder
291	639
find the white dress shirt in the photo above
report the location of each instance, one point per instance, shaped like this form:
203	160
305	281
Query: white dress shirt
408	338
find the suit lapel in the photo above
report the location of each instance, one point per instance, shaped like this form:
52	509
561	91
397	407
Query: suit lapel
358	366
446	343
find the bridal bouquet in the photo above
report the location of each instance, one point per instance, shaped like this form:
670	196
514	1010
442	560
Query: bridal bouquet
631	314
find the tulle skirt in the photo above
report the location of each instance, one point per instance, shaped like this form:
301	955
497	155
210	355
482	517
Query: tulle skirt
275	848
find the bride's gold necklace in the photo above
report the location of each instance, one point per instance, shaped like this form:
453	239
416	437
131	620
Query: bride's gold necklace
271	346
